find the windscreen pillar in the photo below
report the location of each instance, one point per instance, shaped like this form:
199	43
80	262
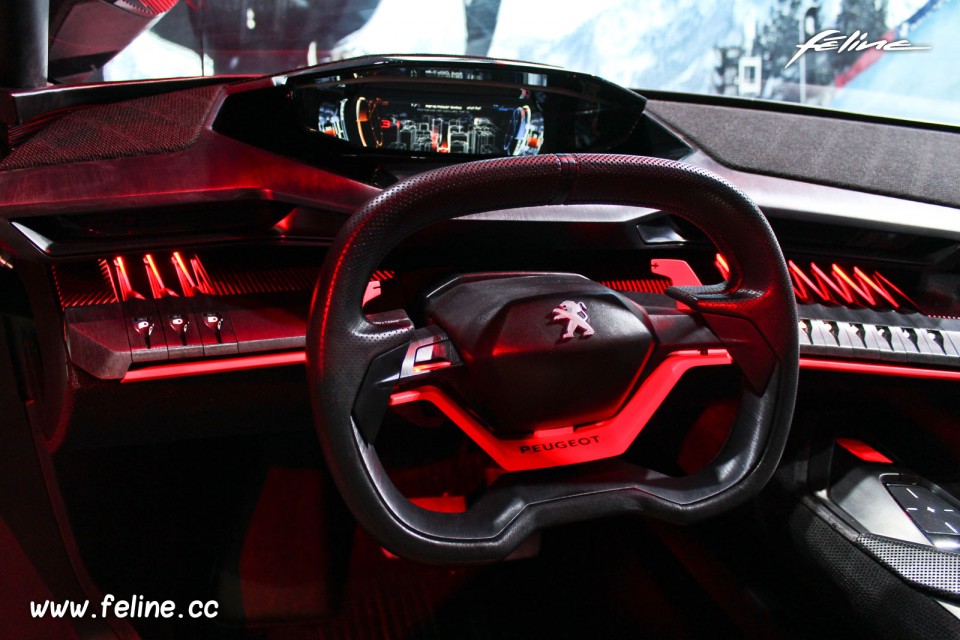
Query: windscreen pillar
23	49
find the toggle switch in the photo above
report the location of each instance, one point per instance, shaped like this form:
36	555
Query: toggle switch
179	324
214	322
144	327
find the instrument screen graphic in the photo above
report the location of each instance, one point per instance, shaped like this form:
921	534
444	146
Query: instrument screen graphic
438	124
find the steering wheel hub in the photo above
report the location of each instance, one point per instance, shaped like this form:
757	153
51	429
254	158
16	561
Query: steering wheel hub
540	351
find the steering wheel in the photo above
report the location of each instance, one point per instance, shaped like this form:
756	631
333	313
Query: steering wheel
551	374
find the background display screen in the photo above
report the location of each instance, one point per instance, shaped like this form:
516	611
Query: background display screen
435	123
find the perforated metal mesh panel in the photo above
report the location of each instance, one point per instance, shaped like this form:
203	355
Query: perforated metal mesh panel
881	603
156	124
925	567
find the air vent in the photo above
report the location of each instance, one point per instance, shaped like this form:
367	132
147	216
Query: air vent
816	240
174	274
845	285
84	284
822	242
126	230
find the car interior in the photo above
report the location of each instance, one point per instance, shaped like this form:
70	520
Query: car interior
452	346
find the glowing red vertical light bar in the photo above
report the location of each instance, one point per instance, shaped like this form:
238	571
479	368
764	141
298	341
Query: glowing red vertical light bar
204	283
825	281
156	282
854	288
187	285
849	285
863	277
800	283
123	279
721	264
884	282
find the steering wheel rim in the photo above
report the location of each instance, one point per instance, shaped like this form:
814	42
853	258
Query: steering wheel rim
755	305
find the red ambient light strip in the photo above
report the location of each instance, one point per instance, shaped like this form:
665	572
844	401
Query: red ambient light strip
165	371
878	369
556	447
179	370
126	290
157	288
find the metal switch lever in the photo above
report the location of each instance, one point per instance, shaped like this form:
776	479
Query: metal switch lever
144	326
179	324
214	321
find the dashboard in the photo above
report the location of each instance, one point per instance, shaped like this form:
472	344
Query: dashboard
162	240
190	244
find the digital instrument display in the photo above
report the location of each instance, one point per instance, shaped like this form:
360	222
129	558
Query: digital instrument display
435	123
424	108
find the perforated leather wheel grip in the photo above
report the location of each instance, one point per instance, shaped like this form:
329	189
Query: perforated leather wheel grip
342	342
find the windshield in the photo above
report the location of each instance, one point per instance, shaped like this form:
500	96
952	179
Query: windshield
884	57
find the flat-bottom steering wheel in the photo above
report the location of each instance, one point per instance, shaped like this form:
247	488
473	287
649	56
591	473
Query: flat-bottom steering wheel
552	374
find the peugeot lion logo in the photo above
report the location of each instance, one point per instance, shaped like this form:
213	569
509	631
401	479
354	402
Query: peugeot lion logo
575	315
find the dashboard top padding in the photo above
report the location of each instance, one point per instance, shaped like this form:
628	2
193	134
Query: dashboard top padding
889	159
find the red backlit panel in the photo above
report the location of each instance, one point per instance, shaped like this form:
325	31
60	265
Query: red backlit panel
85	286
872	368
226	282
638	285
380	275
863	451
223	365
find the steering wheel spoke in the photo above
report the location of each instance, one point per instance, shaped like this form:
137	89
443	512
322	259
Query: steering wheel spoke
732	331
422	356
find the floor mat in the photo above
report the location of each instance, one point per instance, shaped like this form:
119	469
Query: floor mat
602	579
